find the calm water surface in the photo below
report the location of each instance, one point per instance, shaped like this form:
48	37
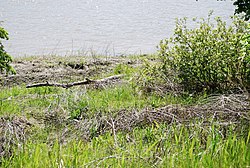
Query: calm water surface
114	27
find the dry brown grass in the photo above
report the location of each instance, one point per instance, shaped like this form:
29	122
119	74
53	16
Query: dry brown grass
13	132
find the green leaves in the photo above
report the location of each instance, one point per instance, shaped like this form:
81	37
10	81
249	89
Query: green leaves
5	58
210	57
3	34
243	6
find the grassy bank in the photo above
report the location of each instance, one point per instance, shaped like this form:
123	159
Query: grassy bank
115	124
163	146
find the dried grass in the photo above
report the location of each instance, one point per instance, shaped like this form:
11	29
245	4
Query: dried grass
223	110
13	132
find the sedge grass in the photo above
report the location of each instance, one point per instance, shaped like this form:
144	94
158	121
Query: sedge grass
19	100
156	145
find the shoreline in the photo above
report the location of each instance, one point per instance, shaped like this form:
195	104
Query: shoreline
63	68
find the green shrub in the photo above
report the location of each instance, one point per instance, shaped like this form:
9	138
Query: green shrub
243	6
211	57
5	58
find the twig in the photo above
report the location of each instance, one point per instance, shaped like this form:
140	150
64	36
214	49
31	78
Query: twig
100	160
68	85
112	124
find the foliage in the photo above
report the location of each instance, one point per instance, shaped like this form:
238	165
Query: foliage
243	6
5	58
211	57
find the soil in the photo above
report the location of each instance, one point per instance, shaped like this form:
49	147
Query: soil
60	69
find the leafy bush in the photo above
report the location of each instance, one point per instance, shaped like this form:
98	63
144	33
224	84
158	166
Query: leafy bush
211	57
243	6
151	78
5	58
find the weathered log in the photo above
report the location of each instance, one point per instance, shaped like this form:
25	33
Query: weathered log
68	85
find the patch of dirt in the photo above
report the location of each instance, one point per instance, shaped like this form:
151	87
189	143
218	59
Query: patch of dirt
59	69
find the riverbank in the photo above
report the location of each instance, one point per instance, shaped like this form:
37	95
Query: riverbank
114	123
64	69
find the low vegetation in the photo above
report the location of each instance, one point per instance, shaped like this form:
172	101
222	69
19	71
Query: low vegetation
211	58
5	58
185	107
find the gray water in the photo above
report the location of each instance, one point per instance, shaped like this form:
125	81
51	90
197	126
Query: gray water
113	27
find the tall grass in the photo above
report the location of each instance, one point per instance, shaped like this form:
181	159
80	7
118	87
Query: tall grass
21	101
156	145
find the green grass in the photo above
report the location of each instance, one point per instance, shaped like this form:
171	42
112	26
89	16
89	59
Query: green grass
157	145
160	145
19	100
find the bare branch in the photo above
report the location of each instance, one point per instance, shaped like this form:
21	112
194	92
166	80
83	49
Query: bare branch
68	85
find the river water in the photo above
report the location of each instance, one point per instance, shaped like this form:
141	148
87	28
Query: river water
112	27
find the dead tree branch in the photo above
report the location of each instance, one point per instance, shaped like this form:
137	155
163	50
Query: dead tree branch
68	85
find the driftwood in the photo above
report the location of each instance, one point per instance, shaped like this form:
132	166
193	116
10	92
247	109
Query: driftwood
68	85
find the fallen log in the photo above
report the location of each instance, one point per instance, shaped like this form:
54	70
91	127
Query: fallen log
68	85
